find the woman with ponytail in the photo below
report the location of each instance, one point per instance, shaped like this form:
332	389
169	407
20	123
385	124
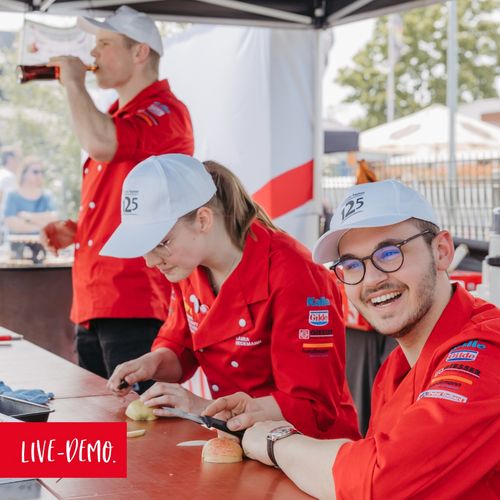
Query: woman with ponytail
248	305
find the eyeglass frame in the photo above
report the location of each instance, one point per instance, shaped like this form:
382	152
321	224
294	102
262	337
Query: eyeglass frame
165	244
168	239
339	261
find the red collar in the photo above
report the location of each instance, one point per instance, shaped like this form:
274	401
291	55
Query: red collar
155	88
456	313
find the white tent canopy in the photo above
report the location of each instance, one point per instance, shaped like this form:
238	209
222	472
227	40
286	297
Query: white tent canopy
426	133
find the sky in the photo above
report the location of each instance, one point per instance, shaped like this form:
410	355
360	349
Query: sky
347	40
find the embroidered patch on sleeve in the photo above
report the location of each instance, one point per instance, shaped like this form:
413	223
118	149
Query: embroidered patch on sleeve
440	394
319	318
148	117
452	377
158	109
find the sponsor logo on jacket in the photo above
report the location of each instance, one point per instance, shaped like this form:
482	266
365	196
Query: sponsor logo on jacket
462	355
439	394
314	302
192	323
158	108
319	318
459	367
306	333
470	344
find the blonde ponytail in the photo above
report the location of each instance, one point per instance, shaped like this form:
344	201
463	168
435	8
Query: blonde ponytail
235	204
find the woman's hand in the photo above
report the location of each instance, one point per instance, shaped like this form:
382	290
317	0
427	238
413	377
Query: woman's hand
166	394
130	372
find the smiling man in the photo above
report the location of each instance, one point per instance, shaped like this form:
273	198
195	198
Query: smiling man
435	426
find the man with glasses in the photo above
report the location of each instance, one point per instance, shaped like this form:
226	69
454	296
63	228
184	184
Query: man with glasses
435	425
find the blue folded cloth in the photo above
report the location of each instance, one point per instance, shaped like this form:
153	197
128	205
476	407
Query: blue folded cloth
32	395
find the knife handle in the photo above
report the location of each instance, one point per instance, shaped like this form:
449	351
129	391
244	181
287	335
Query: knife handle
221	425
123	384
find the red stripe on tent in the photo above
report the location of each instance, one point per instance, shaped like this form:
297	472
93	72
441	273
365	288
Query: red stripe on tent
287	191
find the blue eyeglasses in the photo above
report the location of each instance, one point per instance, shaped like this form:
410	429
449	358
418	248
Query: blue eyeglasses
387	259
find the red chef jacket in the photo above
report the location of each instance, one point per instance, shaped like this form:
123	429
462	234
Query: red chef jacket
154	122
435	428
275	328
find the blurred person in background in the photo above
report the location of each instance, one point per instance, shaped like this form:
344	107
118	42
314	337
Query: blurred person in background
29	207
11	163
118	305
9	169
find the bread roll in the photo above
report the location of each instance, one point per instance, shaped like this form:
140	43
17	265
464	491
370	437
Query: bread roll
136	410
222	451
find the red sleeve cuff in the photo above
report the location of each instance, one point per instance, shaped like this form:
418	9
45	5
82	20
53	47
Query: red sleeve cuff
188	361
353	469
298	412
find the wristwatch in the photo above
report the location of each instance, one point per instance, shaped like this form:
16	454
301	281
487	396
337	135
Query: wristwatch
275	435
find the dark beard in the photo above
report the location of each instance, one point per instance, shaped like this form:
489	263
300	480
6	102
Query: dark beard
426	291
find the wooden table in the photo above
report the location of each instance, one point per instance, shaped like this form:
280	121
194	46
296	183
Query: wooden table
157	467
24	365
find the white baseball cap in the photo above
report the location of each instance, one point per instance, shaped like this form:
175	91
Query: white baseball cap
374	204
127	21
155	194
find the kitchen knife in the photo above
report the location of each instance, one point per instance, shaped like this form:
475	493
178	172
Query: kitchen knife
8	337
210	422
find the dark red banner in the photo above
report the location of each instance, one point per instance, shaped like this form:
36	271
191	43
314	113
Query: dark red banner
63	449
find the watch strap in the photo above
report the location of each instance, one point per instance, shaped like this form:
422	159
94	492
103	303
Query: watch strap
271	441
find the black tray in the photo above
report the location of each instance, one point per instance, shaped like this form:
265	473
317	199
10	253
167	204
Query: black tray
24	410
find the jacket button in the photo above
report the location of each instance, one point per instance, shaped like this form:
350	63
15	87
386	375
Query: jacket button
90	243
242	322
77	245
91	204
235	364
201	350
215	388
99	167
86	171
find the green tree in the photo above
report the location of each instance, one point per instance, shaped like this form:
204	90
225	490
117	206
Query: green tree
38	121
420	73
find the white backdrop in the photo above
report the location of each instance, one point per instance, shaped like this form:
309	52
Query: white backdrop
250	92
40	42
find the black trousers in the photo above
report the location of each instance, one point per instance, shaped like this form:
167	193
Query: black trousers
111	341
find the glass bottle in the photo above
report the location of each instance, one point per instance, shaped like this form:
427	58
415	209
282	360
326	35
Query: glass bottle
29	72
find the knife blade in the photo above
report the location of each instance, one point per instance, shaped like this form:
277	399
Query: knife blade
210	422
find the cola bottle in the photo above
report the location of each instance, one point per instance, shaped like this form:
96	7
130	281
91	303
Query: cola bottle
29	72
